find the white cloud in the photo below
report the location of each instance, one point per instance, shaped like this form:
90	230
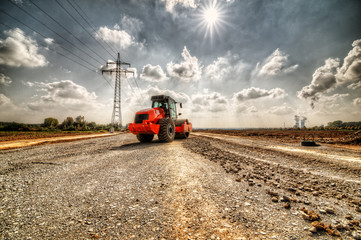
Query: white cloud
187	71
19	50
323	79
245	109
153	73
132	25
64	95
351	68
118	37
4	100
281	110
276	63
209	102
177	96
225	68
355	86
255	93
141	100
5	80
331	75
332	104
49	41
9	111
357	102
170	4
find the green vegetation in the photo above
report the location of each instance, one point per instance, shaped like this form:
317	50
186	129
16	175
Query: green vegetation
52	124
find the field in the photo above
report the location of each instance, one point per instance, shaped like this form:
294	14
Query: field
19	135
295	136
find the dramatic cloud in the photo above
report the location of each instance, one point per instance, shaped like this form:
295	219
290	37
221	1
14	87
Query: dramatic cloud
330	76
354	86
118	37
351	68
211	102
5	80
225	68
255	93
4	100
281	110
187	71
323	79
153	73
64	95
170	4
357	102
276	63
19	50
132	25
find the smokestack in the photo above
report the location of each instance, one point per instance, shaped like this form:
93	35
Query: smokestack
297	119
303	120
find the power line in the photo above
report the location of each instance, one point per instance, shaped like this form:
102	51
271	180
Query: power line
93	27
43	37
53	31
107	81
92	70
90	26
71	15
65	29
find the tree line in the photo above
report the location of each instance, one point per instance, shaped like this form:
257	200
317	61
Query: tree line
69	124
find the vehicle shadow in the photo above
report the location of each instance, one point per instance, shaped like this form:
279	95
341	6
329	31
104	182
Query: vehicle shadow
137	146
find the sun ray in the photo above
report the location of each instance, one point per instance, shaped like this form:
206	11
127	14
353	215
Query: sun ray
211	18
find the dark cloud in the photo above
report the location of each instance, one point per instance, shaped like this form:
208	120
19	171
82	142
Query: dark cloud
187	71
322	80
153	73
330	76
5	80
19	50
355	86
351	68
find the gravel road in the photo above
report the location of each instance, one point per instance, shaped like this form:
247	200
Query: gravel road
205	187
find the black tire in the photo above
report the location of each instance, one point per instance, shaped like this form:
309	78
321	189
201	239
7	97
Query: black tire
145	137
182	135
308	143
166	130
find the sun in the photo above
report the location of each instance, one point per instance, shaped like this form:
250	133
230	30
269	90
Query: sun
211	15
211	18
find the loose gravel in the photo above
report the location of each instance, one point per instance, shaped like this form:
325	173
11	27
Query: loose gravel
199	188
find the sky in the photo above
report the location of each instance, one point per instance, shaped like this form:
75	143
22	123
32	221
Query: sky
232	63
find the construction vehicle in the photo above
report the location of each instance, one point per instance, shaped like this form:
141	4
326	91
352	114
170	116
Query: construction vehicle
162	120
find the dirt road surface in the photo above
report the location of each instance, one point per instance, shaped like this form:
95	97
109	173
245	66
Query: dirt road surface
206	187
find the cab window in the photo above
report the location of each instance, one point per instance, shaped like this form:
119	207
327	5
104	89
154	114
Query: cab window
160	104
173	112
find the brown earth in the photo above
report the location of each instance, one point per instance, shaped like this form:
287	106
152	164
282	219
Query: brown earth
338	137
13	136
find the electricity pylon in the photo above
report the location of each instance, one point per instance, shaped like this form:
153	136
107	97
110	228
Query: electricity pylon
117	108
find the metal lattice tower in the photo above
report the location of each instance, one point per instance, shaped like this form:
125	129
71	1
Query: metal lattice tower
117	108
